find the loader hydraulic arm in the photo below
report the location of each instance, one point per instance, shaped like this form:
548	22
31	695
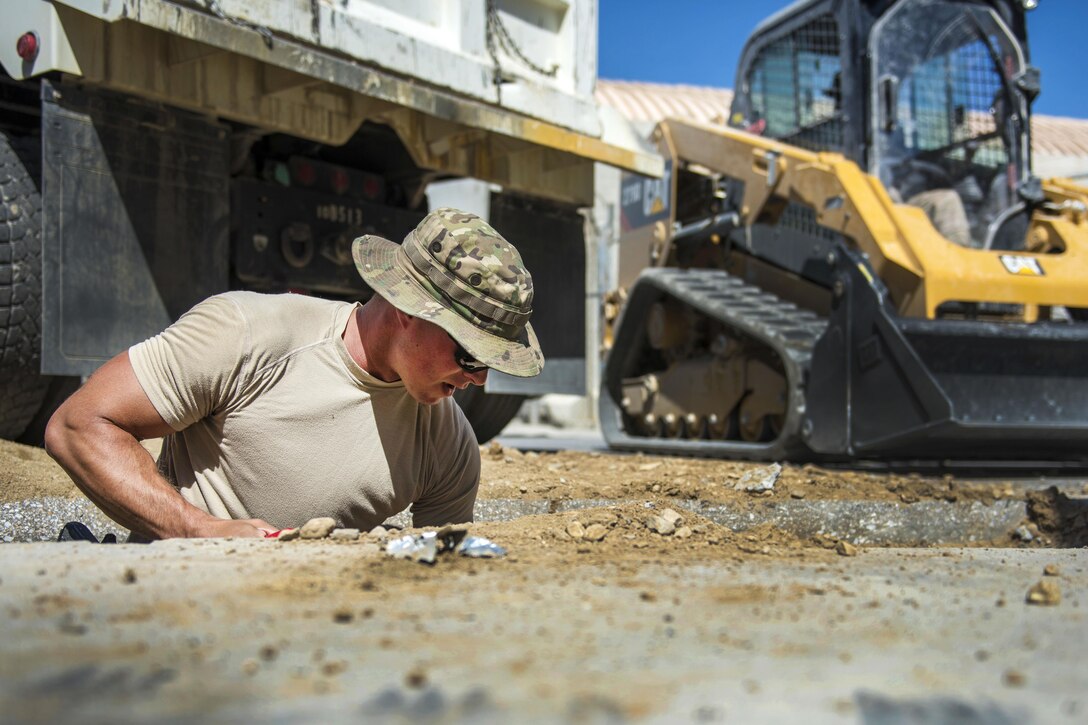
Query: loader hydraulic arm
920	268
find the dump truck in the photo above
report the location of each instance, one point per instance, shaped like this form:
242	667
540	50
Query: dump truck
156	152
859	263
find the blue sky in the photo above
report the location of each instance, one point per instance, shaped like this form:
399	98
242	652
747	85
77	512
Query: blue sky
699	41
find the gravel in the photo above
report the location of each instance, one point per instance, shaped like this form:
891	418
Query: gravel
42	519
861	522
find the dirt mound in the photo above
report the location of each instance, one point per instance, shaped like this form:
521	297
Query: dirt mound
28	472
509	473
625	533
1061	521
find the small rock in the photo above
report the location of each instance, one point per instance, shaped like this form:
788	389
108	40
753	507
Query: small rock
656	488
845	548
250	667
759	480
683	532
288	535
450	536
660	525
317	528
416	678
672	517
595	532
334	668
1051	570
1045	593
343	615
495	450
649	466
1023	534
344	534
797	494
576	530
377	532
69	625
523	489
1013	678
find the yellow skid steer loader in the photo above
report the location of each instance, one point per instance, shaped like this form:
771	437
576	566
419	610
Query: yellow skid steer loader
861	264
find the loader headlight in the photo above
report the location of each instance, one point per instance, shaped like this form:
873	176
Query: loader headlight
1029	4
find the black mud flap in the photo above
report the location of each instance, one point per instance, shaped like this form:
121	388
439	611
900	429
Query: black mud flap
135	221
551	240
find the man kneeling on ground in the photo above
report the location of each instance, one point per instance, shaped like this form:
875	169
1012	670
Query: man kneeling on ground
280	408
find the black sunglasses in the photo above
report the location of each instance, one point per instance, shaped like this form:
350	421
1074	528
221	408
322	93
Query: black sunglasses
464	360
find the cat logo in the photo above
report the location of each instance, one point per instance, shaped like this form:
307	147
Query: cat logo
1024	266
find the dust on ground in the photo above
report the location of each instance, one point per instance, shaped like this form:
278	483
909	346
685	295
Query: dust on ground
593	605
28	472
507	473
641	485
510	473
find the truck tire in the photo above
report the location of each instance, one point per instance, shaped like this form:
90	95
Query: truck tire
487	413
22	387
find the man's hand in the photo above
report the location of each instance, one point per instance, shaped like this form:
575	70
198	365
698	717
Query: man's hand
240	528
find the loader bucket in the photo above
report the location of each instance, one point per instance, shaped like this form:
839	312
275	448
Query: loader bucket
882	386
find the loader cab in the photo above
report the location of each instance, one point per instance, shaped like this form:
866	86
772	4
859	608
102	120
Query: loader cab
951	92
796	82
930	96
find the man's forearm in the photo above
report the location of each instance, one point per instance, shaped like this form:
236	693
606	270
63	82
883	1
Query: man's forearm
118	474
95	436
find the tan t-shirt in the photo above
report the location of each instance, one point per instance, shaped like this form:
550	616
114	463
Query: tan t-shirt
276	421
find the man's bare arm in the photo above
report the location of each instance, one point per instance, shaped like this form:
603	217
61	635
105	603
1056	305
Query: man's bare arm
95	436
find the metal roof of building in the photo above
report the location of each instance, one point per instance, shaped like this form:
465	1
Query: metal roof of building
650	102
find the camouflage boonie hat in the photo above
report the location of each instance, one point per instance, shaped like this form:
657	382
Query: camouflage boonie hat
456	271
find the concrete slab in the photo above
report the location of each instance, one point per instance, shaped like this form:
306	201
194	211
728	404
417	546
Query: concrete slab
542	437
224	631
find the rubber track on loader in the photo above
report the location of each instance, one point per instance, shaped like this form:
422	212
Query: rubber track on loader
791	332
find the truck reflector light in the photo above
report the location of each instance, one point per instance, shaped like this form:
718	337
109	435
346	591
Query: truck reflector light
27	45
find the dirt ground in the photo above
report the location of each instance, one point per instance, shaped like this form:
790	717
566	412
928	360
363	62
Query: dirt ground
594	615
27	472
640	485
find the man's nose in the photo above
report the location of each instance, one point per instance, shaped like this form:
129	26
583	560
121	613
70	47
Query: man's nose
478	378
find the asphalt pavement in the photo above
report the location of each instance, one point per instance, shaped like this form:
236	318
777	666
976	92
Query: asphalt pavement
232	631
